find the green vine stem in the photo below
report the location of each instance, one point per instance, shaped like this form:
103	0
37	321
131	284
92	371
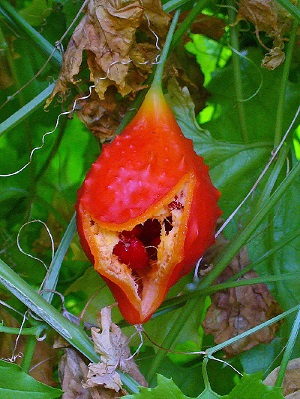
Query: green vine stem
54	269
158	74
234	36
289	6
36	37
180	301
283	85
288	351
173	5
69	331
187	22
26	110
35	331
26	294
272	179
28	353
249	229
171	337
155	81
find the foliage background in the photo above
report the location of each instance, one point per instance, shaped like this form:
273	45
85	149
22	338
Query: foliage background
247	110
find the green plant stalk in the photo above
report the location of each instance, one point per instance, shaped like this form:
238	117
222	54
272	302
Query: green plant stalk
35	331
173	4
204	374
234	33
187	22
37	38
170	339
245	234
252	281
70	332
153	81
251	331
52	275
269	253
157	79
25	111
269	186
288	351
28	353
178	302
26	294
177	35
283	85
293	10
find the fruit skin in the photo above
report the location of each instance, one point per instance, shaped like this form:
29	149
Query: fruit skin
135	175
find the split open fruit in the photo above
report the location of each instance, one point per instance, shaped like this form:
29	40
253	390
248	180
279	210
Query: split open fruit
147	210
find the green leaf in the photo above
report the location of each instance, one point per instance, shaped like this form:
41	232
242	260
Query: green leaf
208	394
261	90
252	387
209	54
287	259
249	387
241	162
165	389
282	223
25	111
15	383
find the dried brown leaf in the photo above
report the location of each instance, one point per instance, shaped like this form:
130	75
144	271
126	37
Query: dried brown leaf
236	310
104	375
102	117
273	58
268	16
207	25
72	371
291	382
295	395
112	345
107	33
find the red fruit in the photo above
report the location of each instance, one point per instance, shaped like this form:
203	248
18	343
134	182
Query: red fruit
132	252
149	175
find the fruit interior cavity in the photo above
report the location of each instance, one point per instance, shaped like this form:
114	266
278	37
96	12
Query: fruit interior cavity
145	250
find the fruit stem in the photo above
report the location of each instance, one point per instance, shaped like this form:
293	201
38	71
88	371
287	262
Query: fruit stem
157	80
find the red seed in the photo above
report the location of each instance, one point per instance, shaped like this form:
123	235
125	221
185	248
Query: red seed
131	251
176	204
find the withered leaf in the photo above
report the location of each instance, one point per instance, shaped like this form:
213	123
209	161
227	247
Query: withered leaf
72	371
103	374
236	310
207	25
102	117
268	16
112	345
107	33
295	395
291	381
